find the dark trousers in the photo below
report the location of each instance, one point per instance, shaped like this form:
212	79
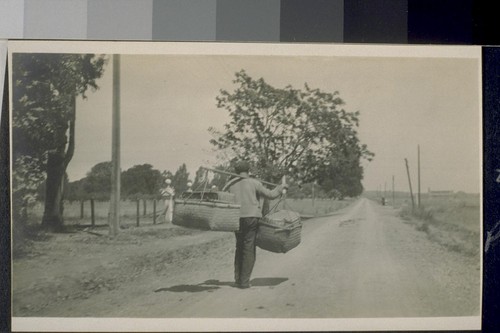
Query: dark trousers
244	258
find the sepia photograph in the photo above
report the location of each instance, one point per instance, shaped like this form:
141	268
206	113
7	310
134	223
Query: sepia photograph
245	186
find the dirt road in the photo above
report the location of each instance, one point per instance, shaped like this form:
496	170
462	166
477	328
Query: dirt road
363	261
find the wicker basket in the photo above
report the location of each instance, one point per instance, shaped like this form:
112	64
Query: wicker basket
205	215
217	196
279	232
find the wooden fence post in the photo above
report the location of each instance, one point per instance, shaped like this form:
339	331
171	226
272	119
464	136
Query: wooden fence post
92	211
138	211
154	211
81	209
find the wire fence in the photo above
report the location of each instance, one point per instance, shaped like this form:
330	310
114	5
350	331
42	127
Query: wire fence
141	212
95	213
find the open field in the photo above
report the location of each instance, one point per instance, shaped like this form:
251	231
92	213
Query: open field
460	209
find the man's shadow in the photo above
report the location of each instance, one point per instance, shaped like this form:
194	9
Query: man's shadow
267	281
192	288
211	285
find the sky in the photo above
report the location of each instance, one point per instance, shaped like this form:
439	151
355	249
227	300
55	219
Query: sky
168	102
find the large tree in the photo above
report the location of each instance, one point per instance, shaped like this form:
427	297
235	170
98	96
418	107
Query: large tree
287	130
180	179
75	191
219	180
97	183
343	174
200	179
136	181
45	89
142	180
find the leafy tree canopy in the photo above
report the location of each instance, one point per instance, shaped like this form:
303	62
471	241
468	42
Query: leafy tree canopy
137	181
200	179
142	180
44	86
180	179
97	183
304	133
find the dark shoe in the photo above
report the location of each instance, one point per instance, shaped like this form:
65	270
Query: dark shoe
243	286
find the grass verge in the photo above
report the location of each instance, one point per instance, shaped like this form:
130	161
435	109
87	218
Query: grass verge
441	226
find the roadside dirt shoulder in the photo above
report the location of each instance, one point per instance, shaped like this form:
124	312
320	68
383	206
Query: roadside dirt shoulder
456	273
69	268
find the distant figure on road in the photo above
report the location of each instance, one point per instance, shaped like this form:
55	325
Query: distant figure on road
248	192
383	201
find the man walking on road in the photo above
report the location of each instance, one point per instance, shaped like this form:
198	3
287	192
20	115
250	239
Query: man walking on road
248	193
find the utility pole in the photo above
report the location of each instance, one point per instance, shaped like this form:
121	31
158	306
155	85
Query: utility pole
114	214
409	182
418	195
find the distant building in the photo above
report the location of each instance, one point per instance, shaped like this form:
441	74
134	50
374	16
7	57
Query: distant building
440	193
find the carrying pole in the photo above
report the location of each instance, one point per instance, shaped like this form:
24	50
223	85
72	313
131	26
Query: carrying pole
236	175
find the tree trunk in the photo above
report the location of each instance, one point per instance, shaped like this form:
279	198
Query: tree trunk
57	162
53	214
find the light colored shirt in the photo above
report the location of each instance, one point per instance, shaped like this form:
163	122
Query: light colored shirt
168	191
248	193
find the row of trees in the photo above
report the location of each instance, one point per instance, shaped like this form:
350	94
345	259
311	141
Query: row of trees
143	180
138	181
